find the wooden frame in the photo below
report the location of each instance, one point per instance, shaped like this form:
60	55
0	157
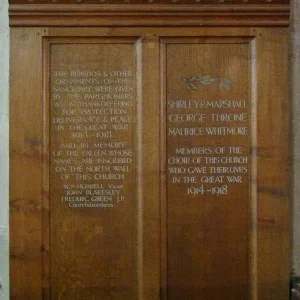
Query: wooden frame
152	26
150	14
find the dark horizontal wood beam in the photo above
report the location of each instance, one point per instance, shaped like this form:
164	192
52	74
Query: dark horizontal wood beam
52	14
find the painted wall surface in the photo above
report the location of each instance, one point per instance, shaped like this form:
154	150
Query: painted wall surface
4	162
4	70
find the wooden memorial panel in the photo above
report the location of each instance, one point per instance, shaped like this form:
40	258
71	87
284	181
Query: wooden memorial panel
208	169
92	207
149	154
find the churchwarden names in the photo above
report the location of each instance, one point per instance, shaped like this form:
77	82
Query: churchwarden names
92	141
209	138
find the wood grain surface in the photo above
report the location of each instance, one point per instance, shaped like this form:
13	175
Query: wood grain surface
207	214
164	13
182	230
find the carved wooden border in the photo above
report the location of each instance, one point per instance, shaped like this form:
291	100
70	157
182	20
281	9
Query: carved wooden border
151	14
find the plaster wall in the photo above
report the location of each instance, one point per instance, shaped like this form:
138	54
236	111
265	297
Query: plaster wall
4	87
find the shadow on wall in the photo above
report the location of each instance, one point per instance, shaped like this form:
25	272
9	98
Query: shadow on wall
295	294
295	287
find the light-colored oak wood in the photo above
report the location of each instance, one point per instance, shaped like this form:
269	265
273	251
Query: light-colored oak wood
165	245
207	233
103	257
148	157
273	164
26	164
